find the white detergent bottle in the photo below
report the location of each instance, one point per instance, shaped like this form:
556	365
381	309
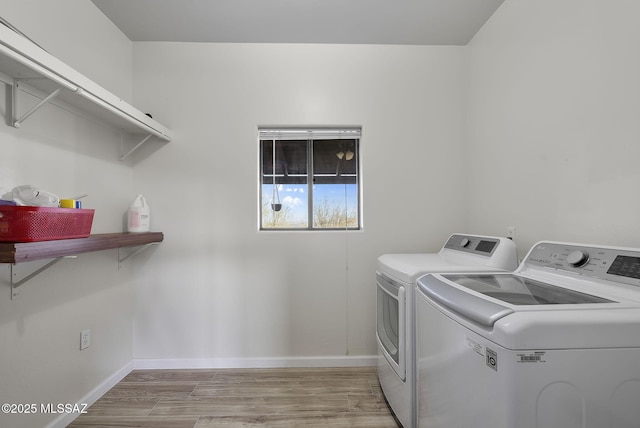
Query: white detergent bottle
139	218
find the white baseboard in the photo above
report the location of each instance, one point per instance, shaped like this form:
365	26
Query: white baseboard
220	363
65	419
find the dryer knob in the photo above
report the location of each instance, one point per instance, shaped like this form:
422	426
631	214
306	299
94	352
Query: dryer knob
464	242
577	258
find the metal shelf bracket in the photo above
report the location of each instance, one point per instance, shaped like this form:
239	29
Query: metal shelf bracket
17	122
134	253
15	284
136	147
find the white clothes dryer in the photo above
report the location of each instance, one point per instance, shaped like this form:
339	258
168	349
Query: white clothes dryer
554	344
396	281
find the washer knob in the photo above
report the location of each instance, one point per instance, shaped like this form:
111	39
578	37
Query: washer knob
464	242
577	258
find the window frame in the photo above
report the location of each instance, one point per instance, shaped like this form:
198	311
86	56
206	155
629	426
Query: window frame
309	135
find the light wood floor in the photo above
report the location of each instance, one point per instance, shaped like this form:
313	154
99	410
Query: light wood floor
225	398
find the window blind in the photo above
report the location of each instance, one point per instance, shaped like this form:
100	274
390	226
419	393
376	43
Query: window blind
351	133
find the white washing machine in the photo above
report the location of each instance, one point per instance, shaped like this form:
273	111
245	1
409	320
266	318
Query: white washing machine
396	281
555	344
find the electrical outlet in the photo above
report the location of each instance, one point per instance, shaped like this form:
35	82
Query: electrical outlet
85	339
511	232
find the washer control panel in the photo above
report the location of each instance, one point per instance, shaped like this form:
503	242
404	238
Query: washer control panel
619	265
472	244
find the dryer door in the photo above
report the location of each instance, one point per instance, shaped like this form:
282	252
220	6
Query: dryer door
391	323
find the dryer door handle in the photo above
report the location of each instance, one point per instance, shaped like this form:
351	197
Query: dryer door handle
388	287
475	308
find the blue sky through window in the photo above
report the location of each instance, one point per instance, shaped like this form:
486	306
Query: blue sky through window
294	198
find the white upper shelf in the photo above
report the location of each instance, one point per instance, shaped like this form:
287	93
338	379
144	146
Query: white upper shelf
23	60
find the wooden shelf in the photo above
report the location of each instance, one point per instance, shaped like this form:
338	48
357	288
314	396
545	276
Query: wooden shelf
20	252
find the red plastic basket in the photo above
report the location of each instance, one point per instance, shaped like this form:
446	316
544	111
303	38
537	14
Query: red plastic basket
31	224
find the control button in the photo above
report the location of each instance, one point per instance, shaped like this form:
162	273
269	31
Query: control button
464	242
577	258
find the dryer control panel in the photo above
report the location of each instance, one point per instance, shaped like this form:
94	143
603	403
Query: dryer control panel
480	245
608	263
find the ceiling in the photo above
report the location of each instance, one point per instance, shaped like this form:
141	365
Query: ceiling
400	22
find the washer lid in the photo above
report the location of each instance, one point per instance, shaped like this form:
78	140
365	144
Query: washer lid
589	322
518	290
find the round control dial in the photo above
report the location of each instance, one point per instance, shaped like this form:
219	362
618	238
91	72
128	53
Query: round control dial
464	242
577	258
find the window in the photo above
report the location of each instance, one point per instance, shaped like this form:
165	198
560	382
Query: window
309	178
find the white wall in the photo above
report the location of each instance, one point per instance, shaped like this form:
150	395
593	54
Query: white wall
77	33
40	360
220	292
554	102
